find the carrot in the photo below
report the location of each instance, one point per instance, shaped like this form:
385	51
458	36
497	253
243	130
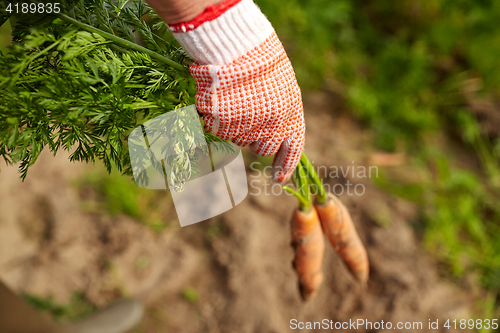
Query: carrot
338	226
340	231
309	245
307	239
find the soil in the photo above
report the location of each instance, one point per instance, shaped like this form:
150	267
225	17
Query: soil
237	266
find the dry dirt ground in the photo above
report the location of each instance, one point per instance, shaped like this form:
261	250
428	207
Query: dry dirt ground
237	264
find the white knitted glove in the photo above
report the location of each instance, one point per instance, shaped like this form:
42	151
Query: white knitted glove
246	86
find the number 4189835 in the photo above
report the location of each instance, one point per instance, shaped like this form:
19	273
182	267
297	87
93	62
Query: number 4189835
32	8
472	324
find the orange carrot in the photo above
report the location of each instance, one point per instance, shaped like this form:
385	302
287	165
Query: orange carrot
309	245
340	231
307	237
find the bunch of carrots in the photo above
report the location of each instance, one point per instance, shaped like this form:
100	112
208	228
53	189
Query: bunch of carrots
323	214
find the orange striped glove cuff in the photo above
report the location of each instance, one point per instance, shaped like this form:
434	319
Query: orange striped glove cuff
224	32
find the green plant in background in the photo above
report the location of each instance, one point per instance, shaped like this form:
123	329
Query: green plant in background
114	194
462	222
190	294
77	308
117	194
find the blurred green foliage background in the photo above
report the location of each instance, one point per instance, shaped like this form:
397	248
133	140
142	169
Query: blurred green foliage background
411	71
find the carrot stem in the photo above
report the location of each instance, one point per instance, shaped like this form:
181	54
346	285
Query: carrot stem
303	178
314	179
303	193
302	201
304	183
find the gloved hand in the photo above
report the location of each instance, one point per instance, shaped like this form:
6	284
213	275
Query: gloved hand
246	86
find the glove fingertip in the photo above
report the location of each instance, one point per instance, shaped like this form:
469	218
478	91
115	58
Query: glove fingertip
281	177
287	159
